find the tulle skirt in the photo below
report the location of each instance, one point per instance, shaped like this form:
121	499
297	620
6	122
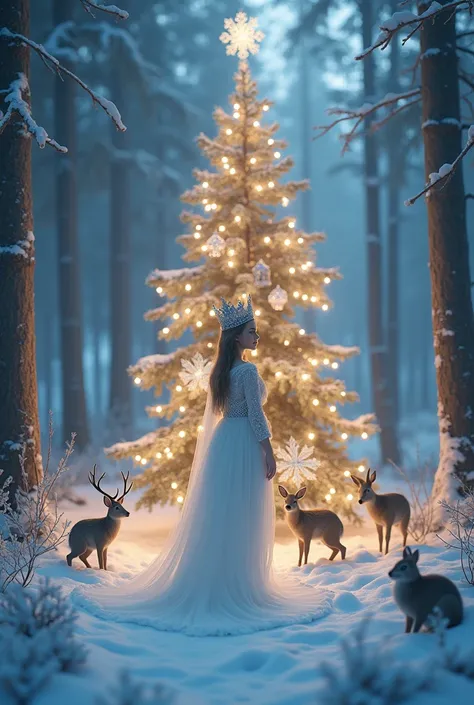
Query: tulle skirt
214	575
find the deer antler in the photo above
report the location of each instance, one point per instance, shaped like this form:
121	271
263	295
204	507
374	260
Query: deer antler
96	484
125	490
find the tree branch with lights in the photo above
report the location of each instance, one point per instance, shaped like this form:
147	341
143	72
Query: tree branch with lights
241	241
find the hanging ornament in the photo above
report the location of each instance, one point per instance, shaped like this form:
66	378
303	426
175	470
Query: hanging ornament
261	275
215	245
195	374
278	298
296	465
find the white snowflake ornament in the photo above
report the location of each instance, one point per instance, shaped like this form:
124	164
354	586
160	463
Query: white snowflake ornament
296	465
195	373
242	36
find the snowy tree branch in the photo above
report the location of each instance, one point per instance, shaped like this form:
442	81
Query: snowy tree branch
54	65
399	21
90	5
366	110
443	176
16	104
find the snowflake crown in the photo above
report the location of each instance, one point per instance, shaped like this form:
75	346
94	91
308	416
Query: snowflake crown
231	316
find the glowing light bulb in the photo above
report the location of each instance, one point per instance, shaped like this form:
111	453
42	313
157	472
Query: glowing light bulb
285	201
167	450
180	499
314	362
267	240
286	342
200	428
332	490
266	107
254	353
214	206
204	248
328	498
207	208
143	461
332	408
296	294
226	166
343	394
159	409
165	331
256	123
271	184
350	497
197	236
204	201
271	141
361	468
344	436
182	434
305	376
138	458
292	270
137	380
305	297
230	263
278	373
212	312
188	287
228	131
287	242
327	280
231	253
253	160
315	402
301	331
187	311
236	115
347	473
259	187
179	388
304	267
174	485
311	436
182	409
364	435
176	316
221	228
314	299
225	160
199	324
277	155
291	224
325	307
258	312
232	171
205	184
158	455
325	361
300	241
159	290
334	365
198	227
237	219
236	106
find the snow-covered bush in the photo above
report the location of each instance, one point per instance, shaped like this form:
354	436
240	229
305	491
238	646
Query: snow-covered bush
461	531
31	526
133	692
36	639
371	674
422	503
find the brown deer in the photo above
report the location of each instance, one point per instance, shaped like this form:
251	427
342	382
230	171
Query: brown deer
97	534
314	523
385	509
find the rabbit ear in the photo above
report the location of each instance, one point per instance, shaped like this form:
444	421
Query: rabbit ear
356	480
282	491
373	476
415	555
301	493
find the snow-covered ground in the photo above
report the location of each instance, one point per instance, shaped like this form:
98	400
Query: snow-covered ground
278	667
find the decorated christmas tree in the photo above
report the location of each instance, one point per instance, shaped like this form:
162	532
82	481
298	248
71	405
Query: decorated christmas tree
244	242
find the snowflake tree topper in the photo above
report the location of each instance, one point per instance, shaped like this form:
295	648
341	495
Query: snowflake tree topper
294	464
195	373
242	36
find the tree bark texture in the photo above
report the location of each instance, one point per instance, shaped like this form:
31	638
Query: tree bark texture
19	421
377	343
74	411
120	263
452	314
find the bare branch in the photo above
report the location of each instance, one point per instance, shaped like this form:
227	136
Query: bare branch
400	21
17	105
361	113
90	5
444	175
107	105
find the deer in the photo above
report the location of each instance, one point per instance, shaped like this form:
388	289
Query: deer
419	597
314	523
97	534
385	509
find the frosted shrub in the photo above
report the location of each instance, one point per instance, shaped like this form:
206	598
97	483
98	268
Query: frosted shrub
422	503
370	674
461	531
133	692
33	526
36	639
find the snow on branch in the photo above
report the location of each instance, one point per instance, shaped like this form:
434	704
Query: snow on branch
391	101
56	67
445	173
406	19
90	5
18	105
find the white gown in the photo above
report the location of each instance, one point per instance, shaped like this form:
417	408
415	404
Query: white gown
214	575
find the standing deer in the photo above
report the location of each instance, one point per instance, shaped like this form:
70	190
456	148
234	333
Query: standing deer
314	523
97	534
385	509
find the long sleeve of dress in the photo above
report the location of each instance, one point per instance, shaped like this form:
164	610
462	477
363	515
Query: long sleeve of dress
253	397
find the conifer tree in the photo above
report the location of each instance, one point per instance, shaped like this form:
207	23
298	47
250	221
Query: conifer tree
244	242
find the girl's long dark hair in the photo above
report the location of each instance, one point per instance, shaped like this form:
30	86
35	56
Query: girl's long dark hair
220	375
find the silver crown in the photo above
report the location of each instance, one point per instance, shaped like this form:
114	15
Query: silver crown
231	316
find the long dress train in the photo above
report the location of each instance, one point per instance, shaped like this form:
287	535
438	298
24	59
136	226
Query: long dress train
214	575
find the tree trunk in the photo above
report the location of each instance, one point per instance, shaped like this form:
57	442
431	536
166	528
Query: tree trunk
452	315
74	413
120	224
377	344
395	177
18	384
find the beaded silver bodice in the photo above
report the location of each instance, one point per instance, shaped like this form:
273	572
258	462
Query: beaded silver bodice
246	398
